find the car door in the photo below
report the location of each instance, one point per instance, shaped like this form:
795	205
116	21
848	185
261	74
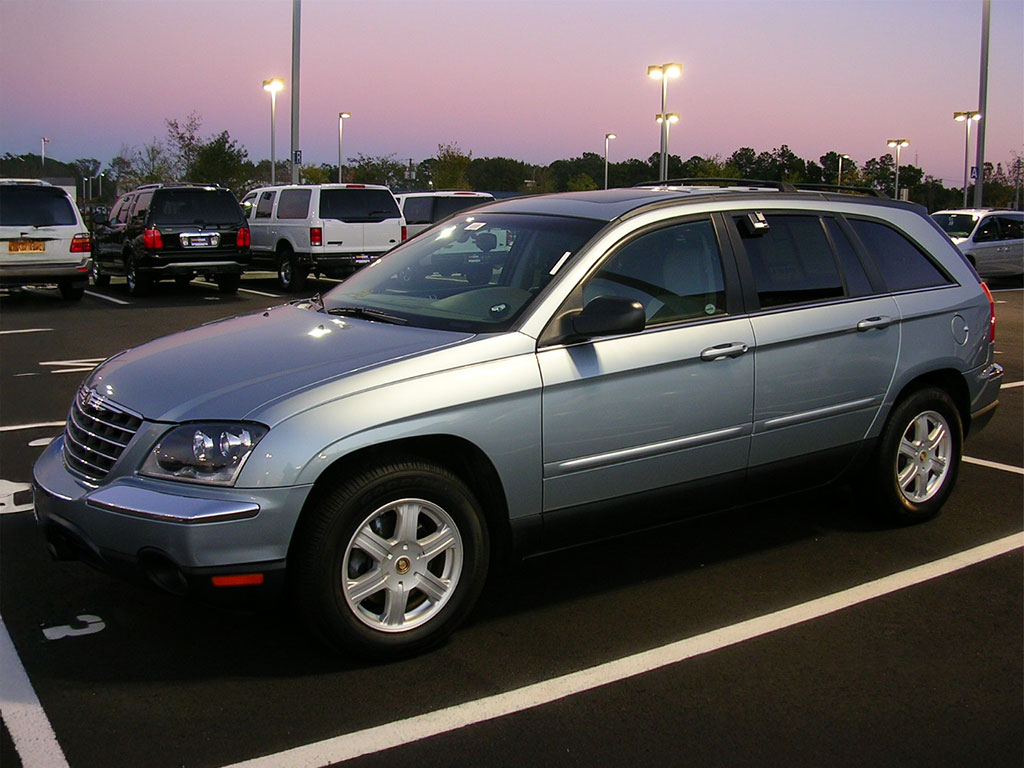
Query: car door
109	237
827	341
260	227
985	246
1009	255
628	414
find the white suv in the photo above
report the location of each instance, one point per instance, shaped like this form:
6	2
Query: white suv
326	229
993	240
42	237
423	209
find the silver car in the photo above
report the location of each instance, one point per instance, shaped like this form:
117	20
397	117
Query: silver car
535	372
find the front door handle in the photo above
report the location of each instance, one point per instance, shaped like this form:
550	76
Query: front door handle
874	322
722	351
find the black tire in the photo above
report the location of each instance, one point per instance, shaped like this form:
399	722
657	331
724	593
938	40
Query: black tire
99	278
355	534
71	291
228	283
291	275
918	458
138	285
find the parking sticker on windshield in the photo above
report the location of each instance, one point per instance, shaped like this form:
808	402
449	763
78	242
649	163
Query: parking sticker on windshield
475	226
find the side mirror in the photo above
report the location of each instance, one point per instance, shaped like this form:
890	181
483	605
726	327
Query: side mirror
99	217
608	316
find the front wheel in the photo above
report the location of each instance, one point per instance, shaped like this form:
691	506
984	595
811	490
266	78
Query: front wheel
918	457
99	278
390	562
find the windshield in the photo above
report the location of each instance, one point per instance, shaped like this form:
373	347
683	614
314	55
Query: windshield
475	275
35	207
956	224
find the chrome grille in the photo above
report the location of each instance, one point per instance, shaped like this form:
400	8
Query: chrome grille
96	434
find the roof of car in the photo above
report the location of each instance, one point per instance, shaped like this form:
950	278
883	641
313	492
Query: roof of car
976	211
610	204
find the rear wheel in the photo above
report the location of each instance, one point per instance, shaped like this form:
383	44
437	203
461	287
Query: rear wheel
918	457
390	562
99	278
290	274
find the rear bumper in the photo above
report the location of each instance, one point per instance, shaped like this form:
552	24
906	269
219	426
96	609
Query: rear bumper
29	274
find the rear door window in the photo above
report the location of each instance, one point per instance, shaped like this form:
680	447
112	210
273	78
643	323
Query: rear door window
791	261
358	205
35	206
196	206
1010	228
903	266
418	210
294	204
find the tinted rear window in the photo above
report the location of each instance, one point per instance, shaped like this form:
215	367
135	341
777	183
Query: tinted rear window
35	207
358	205
446	206
196	206
902	264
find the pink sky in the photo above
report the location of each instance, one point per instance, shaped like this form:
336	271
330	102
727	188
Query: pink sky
534	81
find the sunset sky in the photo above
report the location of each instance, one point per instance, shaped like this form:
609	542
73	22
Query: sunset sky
534	81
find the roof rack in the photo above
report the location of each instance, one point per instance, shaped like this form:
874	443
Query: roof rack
843	188
781	186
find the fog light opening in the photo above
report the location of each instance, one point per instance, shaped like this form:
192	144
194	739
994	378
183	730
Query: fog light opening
164	573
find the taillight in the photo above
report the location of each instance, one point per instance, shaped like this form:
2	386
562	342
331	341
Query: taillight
152	239
81	244
991	313
244	237
405	233
316	236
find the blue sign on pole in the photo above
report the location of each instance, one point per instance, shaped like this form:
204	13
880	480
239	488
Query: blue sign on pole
974	173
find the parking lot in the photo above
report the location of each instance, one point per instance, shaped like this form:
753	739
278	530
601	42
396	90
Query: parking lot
795	633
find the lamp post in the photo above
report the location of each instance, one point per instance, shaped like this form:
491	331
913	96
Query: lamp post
42	155
100	182
966	117
273	85
607	137
898	144
666	120
839	182
342	117
663	72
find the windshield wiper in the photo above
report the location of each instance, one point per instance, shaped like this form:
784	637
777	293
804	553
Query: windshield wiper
367	314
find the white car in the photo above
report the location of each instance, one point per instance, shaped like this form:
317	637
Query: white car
326	229
43	238
423	209
993	240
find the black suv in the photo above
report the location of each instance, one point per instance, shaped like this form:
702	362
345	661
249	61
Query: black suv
161	231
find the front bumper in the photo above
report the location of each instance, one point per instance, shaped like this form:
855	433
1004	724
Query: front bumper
181	537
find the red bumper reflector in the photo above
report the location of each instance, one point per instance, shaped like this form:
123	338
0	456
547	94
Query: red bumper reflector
238	580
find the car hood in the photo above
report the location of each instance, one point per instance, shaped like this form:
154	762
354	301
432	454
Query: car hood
229	368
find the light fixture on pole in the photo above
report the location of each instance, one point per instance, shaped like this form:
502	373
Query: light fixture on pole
898	144
273	85
342	117
666	120
842	157
967	117
100	182
42	155
663	72
607	137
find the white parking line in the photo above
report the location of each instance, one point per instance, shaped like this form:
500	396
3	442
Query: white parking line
413	729
1012	385
240	290
30	729
16	427
25	330
994	465
108	298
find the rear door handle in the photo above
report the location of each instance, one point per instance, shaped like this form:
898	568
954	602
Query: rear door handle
722	351
874	322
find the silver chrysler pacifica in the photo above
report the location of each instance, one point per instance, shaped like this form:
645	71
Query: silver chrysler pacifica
528	374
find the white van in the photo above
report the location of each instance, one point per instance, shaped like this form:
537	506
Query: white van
324	229
422	209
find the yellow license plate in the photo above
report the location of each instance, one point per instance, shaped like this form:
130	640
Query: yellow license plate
26	246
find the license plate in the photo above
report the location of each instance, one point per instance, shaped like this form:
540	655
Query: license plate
200	241
26	246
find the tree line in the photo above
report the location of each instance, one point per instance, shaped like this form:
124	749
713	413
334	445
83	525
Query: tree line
186	156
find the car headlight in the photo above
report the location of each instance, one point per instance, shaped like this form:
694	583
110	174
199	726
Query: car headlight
212	452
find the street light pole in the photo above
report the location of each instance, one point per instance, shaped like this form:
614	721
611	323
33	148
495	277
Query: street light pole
607	138
967	117
839	182
663	73
273	85
42	155
666	120
898	144
342	117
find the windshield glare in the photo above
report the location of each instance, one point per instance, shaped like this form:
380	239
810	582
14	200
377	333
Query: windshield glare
956	224
474	273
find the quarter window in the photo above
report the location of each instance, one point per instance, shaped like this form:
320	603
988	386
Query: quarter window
792	262
903	266
1011	228
675	273
294	204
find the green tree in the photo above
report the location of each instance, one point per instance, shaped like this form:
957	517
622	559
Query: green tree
450	167
220	161
377	170
183	144
581	182
497	174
